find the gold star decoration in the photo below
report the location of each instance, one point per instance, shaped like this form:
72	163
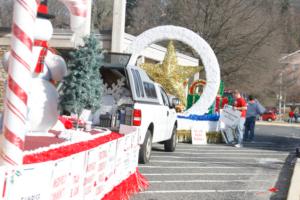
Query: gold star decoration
171	75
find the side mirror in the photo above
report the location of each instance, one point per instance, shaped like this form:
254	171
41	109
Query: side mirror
174	102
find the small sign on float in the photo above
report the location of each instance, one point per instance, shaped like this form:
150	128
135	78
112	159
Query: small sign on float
198	137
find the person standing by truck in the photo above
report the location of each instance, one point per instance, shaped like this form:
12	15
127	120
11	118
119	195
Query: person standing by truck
240	105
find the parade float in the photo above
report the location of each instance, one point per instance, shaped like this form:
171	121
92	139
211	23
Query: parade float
210	121
42	155
172	76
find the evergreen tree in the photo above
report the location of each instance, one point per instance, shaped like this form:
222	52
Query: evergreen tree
82	87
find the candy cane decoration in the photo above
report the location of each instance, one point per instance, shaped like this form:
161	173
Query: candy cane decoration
20	73
79	14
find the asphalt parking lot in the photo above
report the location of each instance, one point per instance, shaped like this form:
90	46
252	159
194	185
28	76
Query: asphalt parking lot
259	171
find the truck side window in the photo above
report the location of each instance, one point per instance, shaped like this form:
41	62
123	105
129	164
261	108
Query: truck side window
164	97
140	82
150	90
137	89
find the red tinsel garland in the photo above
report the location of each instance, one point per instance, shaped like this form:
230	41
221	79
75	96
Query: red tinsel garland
64	151
132	185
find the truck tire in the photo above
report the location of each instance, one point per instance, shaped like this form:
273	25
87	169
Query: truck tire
170	145
146	148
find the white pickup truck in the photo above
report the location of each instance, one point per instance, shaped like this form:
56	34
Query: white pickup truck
151	110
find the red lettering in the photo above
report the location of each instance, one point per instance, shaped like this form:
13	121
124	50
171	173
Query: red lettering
91	167
75	191
87	190
88	179
101	166
76	179
58	194
102	155
59	181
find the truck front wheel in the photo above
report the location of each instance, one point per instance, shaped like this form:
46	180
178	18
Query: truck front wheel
170	144
146	148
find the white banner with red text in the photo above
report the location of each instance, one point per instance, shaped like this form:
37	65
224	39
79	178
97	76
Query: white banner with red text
88	175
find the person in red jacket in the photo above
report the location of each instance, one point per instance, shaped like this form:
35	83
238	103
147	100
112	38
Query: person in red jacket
224	102
291	116
240	104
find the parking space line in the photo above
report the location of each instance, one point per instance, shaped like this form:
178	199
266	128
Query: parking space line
258	163
195	162
248	146
210	157
227	150
208	181
196	167
230	148
213	174
203	191
229	153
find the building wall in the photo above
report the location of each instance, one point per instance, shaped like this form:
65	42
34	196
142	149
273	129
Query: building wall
153	52
62	40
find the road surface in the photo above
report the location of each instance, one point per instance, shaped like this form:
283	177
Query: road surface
259	171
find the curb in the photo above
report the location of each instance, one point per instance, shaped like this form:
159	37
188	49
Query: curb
294	190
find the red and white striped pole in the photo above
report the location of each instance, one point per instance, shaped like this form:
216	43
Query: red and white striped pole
19	76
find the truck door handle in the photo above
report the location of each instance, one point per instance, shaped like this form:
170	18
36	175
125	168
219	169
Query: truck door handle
167	113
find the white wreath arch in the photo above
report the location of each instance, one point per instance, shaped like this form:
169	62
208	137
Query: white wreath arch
192	39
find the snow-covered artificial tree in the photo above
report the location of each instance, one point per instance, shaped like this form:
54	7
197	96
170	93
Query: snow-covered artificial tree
83	86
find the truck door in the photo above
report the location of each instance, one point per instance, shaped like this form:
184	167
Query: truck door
166	115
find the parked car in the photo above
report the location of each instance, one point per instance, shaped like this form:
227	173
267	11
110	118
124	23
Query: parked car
268	116
272	109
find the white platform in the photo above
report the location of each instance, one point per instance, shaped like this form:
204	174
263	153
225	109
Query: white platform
186	124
